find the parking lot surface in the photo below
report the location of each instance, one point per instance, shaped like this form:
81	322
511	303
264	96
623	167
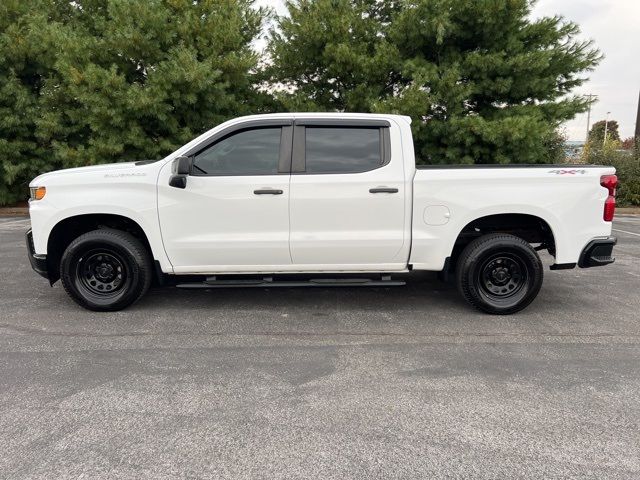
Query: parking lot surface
405	382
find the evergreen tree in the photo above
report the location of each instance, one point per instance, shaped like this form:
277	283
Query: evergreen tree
334	55
482	82
95	81
25	62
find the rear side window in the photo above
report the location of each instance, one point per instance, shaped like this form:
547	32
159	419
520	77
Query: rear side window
248	152
342	150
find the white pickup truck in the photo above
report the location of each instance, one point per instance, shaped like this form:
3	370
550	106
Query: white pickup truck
314	199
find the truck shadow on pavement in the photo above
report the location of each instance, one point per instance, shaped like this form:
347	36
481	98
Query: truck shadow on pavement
423	299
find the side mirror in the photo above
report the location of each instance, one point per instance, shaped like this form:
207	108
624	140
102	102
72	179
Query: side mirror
178	181
182	166
180	169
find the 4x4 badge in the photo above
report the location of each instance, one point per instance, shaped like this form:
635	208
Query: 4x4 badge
572	171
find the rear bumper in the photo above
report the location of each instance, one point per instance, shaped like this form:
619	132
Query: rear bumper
38	262
598	252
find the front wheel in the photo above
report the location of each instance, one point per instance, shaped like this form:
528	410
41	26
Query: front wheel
106	270
499	273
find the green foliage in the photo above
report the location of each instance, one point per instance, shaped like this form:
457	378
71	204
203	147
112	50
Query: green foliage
481	81
596	134
334	55
94	81
626	163
628	169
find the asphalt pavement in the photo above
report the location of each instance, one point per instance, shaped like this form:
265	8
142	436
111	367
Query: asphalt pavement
345	383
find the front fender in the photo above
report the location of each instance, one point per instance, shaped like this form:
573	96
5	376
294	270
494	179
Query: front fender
61	204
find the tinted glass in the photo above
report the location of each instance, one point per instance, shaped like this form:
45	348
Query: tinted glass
250	152
335	150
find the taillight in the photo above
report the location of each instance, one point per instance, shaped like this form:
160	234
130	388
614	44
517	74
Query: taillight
610	182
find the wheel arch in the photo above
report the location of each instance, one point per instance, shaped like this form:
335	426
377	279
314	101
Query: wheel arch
70	228
532	228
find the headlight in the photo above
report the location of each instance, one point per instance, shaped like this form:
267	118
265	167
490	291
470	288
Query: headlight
37	193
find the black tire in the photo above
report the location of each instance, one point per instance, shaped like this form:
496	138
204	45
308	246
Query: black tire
499	273
106	270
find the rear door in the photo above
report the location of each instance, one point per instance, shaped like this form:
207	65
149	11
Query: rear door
347	206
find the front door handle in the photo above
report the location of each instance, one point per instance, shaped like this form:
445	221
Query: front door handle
383	190
268	191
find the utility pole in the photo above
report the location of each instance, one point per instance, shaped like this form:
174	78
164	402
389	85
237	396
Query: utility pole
637	134
586	140
636	137
606	125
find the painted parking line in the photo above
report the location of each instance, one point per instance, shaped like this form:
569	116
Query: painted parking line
628	233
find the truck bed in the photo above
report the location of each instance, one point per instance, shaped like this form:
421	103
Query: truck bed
448	198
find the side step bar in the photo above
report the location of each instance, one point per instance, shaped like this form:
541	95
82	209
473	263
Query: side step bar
213	282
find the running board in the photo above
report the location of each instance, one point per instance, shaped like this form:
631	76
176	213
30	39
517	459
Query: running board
269	282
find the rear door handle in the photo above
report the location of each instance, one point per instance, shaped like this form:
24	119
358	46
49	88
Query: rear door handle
383	190
268	191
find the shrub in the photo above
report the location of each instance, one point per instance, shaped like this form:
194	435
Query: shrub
627	165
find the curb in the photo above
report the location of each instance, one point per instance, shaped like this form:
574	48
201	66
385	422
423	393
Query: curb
14	211
628	211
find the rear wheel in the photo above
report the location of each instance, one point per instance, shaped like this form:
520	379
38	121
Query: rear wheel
106	270
499	273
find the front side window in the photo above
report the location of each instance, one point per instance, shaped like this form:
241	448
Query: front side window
248	152
342	150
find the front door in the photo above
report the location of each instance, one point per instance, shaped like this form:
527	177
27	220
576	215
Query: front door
233	214
347	197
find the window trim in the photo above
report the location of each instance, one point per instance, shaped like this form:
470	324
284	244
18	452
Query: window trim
341	122
298	163
284	157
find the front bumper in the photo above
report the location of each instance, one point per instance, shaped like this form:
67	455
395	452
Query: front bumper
38	262
598	252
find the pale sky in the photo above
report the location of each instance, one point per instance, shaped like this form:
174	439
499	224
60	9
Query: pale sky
614	25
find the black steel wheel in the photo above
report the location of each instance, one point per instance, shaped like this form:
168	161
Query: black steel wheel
106	270
102	271
499	273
